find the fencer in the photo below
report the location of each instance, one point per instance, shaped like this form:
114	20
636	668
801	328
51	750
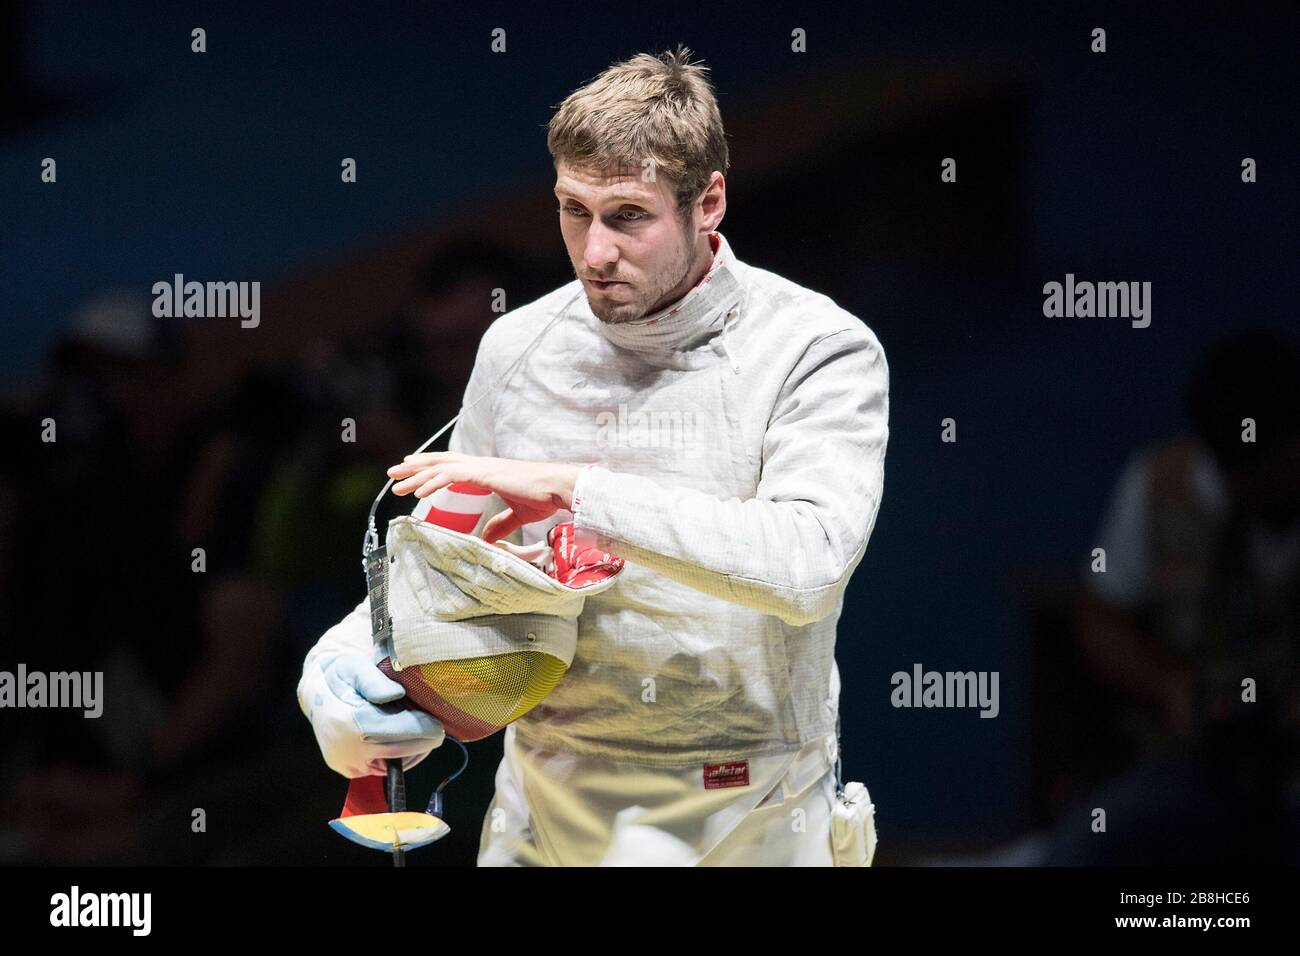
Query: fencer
723	430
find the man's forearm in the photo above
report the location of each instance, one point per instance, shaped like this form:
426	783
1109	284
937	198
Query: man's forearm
778	557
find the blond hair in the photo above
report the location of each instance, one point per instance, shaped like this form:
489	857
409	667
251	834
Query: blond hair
657	108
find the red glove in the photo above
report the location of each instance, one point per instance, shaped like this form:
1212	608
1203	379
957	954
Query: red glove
577	566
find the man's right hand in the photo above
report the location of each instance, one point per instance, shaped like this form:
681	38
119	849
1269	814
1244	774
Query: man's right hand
354	729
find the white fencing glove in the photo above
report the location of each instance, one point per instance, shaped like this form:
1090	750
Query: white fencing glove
344	700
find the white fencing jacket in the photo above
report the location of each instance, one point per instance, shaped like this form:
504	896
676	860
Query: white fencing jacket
737	445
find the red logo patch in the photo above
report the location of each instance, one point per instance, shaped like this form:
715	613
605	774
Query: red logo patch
726	775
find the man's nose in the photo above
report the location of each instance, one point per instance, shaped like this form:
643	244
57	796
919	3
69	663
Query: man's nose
601	251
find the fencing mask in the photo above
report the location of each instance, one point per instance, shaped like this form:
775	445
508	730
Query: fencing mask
481	633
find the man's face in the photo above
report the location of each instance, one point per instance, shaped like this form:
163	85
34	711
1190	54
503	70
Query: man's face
626	243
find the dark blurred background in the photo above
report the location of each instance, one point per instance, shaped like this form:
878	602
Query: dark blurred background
1120	691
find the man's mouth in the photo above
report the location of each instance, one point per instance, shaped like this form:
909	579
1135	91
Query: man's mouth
599	284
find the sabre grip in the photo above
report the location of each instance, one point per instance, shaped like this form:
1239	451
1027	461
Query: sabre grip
396	787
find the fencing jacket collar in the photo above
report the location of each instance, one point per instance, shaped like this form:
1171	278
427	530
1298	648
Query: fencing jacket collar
690	321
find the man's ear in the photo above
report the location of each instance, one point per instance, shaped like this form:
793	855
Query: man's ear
713	202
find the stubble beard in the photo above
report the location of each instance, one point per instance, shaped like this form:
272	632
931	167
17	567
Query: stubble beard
675	276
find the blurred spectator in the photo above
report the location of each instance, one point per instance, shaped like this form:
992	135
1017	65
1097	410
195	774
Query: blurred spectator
272	478
97	497
1200	593
112	510
431	345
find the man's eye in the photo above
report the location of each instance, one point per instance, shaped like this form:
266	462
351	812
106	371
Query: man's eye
633	212
571	210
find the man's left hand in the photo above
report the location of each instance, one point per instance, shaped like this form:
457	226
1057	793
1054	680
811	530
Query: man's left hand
532	490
